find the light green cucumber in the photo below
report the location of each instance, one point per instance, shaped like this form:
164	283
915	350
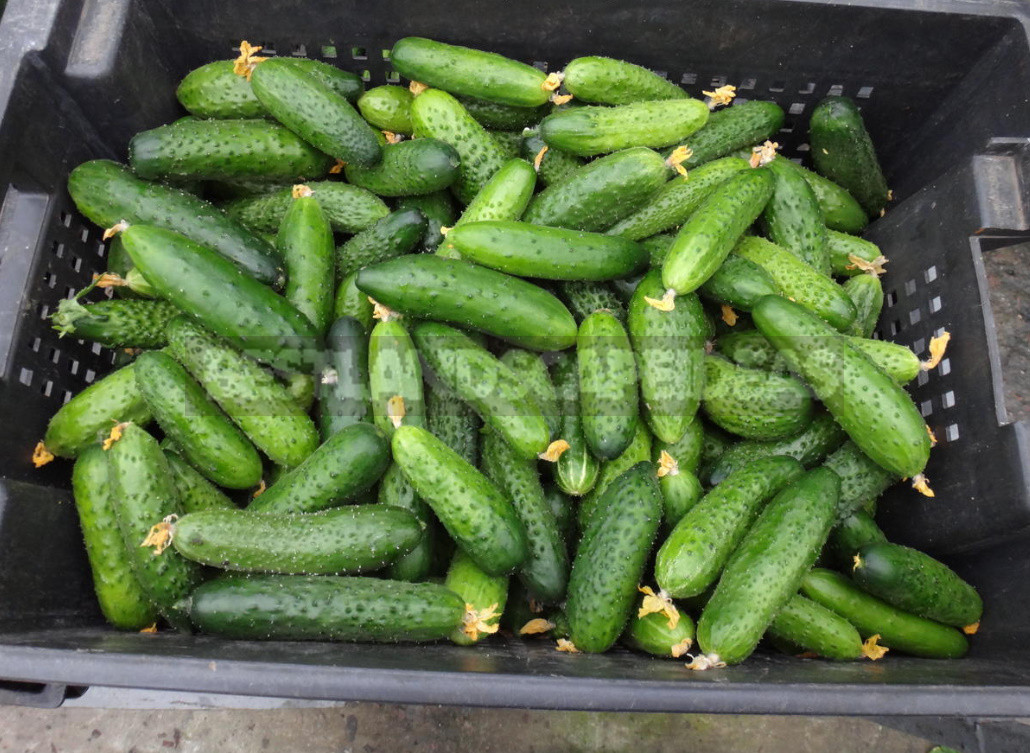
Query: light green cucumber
487	595
754	404
609	81
608	394
589	131
504	196
394	372
387	108
305	242
350	209
576	471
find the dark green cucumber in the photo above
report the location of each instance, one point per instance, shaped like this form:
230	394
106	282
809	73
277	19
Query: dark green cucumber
714	442
611	557
615	82
394	235
387	108
196	493
843	152
600	193
813	627
509	141
686	450
562	509
750	348
876	413
350	209
681	491
754	404
840	210
121	598
453	421
487	595
850	535
456	291
408	168
500	117
351	302
841	247
473	73
338	608
504	197
793	219
554	166
897	629
107	193
866	292
639	451
439	211
738	283
711	232
693	555
87	418
767	567
344	397
576	471
211	289
144	495
657	247
396	491
115	323
609	400
861	479
584	298
305	242
476	514
348	540
492	389
589	131
394	371
253	398
652	634
733	128
532	371
916	583
223	190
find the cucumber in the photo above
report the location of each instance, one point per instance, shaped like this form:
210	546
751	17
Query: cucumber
476	514
252	398
733	128
115	323
484	594
196	493
584	298
670	349
339	608
210	288
843	152
686	450
225	150
408	168
305	242
813	627
206	436
394	235
800	282
350	209
473	73
750	348
738	283
439	211
754	404
608	395
144	495
841	247
498	117
387	108
850	535
453	421
658	247
708	236
554	166
699	546
866	292
345	397
504	196
351	302
677	200
861	478
525	250
897	629
589	131
396	491
793	219
87	418
347	540
600	193
610	560
681	491
509	141
562	509
576	471
714	442
766	569
532	371
652	634
301	388
916	583
639	451
223	190
107	193
492	389
121	598
615	82
449	290
840	210
876	413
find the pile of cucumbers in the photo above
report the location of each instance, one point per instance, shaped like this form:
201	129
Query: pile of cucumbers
573	355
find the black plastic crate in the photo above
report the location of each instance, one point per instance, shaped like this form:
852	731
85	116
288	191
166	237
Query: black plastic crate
944	87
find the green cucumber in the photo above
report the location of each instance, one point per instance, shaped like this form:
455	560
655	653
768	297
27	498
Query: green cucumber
387	108
500	117
896	629
345	397
609	81
509	141
841	247
576	471
714	442
611	557
750	348
681	491
861	478
351	302
408	168
484	594
223	190
702	541
866	292
439	212
532	371
396	491
876	413
554	166
584	298
301	388
196	493
394	371
453	421
843	152
733	128
450	290
600	193
767	567
476	514
350	209
840	210
657	247
121	598
394	235
504	196
339	608
850	535
686	450
652	634
305	242
754	404
589	131
899	362
608	394
738	283
115	323
813	627
562	509
639	451
916	583
793	219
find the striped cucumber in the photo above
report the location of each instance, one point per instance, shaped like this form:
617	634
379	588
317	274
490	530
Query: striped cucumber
387	108
861	479
754	404
196	493
576	471
843	152
344	394
866	292
484	595
350	209
813	627
305	242
793	219
608	395
115	323
408	168
615	82
504	196
394	235
532	371
589	131
840	210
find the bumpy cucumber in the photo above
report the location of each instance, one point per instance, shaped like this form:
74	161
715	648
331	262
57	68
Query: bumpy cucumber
710	233
453	421
486	594
589	131
611	558
739	283
681	491
754	404
301	388
532	371
714	442
196	493
492	389
793	218
916	583
351	302
500	117
686	450
840	210
339	608
576	471
897	629
866	292
394	371
394	235
584	298
652	634
509	141
305	241
693	555
657	247
345	397
733	128
554	166
350	209
608	395
107	193
115	323
561	507
861	479
615	82
476	514
504	197
850	535
875	412
439	211
455	291
844	153
396	491
639	451
121	598
600	193
813	627
841	247
387	108
408	168
253	398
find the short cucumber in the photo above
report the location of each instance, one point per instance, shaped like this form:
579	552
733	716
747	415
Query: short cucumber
394	371
553	165
866	292
351	302
301	388
532	371
841	247
695	552
394	235
339	608
843	152
396	491
456	291
115	323
305	242
350	209
681	491
615	82
438	208
686	450
576	471
589	131
611	557
453	421
861	478
850	535
509	141
733	128
487	595
504	196
738	283
609	400
840	210
121	598
408	168
584	298
652	634
639	451
562	509
754	404
387	108
897	630
793	218
813	627
196	493
500	117
344	397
